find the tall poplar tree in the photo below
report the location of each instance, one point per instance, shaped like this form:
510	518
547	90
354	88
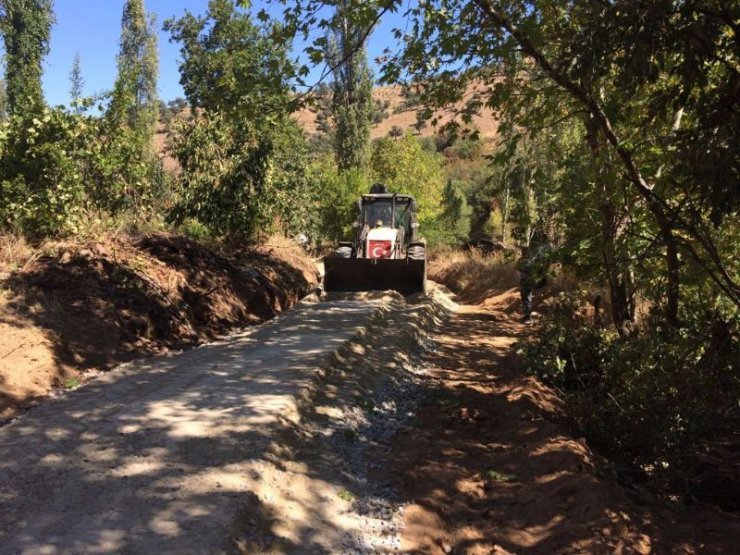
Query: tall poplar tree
352	101
26	28
76	81
134	102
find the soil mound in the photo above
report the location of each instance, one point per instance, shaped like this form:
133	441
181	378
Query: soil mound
81	308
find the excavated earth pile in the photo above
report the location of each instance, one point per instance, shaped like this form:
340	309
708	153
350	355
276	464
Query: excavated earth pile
77	309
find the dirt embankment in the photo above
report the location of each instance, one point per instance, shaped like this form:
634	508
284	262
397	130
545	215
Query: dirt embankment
82	308
489	464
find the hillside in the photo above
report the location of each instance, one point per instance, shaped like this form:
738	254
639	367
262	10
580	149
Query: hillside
486	122
398	116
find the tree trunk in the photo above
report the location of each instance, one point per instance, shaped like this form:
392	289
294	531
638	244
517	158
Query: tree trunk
621	301
623	314
505	210
673	292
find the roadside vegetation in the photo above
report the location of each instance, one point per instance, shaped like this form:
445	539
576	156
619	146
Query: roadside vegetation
616	159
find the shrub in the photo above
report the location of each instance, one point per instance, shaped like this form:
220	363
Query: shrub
650	399
43	163
239	179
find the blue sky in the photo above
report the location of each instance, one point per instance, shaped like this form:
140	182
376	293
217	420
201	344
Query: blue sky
92	28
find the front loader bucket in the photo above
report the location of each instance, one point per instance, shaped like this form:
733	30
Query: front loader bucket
363	274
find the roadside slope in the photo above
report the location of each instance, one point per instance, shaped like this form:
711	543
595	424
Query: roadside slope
75	309
489	465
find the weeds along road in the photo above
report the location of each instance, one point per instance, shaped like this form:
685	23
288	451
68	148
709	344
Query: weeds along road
159	456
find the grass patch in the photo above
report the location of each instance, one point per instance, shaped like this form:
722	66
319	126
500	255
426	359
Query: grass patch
497	476
472	274
16	253
72	383
345	495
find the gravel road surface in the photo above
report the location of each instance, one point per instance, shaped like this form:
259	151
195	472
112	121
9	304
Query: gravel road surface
158	455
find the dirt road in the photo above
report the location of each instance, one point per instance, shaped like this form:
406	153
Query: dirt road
154	457
366	426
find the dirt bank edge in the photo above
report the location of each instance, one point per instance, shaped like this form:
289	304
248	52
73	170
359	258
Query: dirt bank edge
365	391
78	309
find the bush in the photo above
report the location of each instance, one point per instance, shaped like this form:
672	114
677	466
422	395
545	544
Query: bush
339	194
650	399
61	166
43	164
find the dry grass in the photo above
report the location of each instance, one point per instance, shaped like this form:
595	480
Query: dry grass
15	253
472	274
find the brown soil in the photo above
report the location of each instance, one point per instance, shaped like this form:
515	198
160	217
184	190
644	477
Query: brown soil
86	307
486	122
490	466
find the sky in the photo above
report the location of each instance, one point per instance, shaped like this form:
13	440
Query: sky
92	28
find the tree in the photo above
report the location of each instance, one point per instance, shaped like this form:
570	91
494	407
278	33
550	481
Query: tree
352	100
134	101
77	82
650	100
26	29
453	223
243	158
395	132
406	167
231	65
125	180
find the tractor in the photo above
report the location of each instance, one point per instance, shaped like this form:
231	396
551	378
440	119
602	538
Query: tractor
386	253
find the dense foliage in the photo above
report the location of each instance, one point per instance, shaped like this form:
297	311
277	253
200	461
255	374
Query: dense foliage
59	167
243	159
232	65
410	169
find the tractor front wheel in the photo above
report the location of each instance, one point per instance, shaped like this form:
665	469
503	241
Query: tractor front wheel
417	252
343	252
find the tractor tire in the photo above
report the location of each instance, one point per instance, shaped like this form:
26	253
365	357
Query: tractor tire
417	253
343	252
